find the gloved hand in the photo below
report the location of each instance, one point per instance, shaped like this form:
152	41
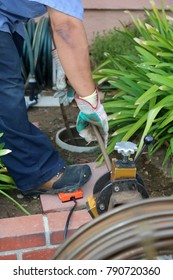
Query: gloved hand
60	77
91	111
64	91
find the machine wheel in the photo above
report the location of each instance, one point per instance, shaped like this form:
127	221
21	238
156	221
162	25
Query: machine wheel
105	180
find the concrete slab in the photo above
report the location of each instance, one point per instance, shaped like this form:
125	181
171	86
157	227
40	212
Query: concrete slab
52	203
45	101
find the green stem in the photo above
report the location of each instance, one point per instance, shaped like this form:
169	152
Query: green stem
13	200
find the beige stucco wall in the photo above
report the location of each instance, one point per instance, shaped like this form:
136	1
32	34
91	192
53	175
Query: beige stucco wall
103	15
104	20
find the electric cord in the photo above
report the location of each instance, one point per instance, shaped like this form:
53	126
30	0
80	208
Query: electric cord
69	217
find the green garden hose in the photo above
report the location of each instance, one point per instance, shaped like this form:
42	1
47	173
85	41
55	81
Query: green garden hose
36	58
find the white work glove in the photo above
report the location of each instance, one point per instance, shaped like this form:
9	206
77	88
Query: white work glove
64	92
60	77
91	111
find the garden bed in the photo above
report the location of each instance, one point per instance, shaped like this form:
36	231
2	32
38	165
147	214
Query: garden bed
50	121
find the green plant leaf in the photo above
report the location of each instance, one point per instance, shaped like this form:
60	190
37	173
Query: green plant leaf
165	55
167	156
123	130
145	97
4	152
6	178
168	120
171	144
167	81
15	202
147	56
135	127
121	85
151	116
171	171
7	187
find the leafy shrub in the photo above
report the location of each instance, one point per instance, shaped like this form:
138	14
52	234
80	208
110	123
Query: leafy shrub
144	100
6	182
112	42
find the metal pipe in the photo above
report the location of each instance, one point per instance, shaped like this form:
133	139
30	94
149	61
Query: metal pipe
102	147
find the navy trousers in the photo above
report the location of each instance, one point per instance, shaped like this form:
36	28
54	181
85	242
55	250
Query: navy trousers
33	159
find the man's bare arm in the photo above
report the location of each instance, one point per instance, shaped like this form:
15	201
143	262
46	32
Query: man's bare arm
71	43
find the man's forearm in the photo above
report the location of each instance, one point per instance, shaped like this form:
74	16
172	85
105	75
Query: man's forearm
72	46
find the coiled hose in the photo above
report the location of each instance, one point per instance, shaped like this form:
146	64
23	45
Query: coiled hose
37	58
139	230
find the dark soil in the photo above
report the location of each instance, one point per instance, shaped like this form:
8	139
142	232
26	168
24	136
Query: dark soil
50	120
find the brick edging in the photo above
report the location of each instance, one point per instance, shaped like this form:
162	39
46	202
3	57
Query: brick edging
36	237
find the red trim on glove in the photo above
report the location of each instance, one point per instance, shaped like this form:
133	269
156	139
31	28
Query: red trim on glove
76	96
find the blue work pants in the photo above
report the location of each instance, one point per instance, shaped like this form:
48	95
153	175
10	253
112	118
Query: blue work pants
33	159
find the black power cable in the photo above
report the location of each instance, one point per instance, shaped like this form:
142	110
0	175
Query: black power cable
69	216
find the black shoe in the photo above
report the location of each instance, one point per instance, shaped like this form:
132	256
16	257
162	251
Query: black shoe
71	178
